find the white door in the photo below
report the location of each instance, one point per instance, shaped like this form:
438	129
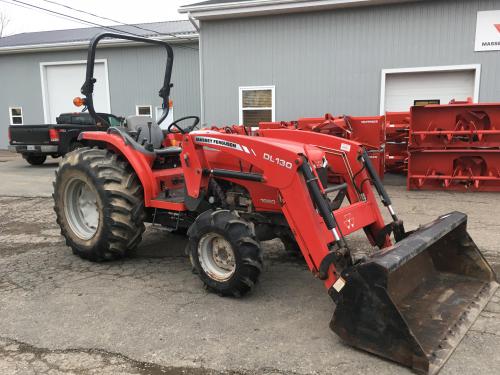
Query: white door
403	89
62	82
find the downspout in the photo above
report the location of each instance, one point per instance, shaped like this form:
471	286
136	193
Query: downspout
193	22
197	26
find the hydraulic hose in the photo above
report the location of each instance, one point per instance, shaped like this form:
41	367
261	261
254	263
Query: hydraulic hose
386	200
321	203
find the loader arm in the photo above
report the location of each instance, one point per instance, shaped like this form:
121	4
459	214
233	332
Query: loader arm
284	165
344	159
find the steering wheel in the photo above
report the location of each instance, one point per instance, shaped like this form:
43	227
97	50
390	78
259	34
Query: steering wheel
173	125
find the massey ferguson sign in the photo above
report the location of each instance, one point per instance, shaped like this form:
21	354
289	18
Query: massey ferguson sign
488	31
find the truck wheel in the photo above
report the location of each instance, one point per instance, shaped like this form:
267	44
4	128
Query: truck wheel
99	206
225	252
34	159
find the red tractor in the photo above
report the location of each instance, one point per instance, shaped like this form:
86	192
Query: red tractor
410	301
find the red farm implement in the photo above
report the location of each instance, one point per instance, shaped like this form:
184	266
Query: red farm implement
458	170
455	126
397	127
455	147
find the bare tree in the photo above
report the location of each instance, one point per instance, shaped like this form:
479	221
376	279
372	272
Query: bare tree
4	21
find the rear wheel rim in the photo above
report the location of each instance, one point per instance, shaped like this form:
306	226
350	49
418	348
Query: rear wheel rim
216	257
81	209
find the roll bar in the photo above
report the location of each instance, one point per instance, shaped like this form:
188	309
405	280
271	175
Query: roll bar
88	86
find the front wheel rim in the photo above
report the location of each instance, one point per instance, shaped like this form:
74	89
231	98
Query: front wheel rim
216	257
81	209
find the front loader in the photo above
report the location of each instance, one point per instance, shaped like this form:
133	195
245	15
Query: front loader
410	301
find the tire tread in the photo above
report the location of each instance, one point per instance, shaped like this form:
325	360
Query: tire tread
122	201
244	242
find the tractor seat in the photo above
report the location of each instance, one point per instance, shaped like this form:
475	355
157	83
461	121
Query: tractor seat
167	151
139	124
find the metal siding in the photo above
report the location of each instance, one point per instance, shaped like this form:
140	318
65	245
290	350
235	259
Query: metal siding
331	61
135	76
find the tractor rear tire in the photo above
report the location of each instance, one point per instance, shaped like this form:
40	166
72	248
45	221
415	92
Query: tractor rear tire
98	201
225	252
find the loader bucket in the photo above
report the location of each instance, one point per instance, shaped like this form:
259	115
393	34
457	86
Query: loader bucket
414	302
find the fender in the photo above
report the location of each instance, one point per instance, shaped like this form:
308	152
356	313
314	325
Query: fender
140	163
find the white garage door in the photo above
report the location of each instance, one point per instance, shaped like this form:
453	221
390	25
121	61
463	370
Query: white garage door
403	89
62	82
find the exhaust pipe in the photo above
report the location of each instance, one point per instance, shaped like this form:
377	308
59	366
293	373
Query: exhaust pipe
414	302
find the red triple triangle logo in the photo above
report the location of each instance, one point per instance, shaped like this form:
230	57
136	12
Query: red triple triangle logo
498	27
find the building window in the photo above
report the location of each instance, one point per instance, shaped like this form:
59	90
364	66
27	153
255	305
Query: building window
256	105
144	110
16	115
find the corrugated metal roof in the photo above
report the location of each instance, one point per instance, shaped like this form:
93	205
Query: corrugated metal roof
155	29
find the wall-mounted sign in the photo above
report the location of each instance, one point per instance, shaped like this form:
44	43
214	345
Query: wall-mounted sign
488	31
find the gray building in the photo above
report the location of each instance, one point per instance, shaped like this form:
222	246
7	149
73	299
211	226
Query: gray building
283	59
40	73
254	60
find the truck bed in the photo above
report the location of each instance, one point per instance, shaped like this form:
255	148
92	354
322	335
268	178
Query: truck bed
30	134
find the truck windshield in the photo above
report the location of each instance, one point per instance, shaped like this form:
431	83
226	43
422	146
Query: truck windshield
113	121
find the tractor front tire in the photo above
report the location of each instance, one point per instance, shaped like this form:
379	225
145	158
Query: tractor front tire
225	252
98	201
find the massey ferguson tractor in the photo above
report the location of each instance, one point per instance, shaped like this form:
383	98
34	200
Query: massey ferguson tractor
410	300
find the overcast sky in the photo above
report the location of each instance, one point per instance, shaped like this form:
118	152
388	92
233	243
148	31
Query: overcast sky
23	19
